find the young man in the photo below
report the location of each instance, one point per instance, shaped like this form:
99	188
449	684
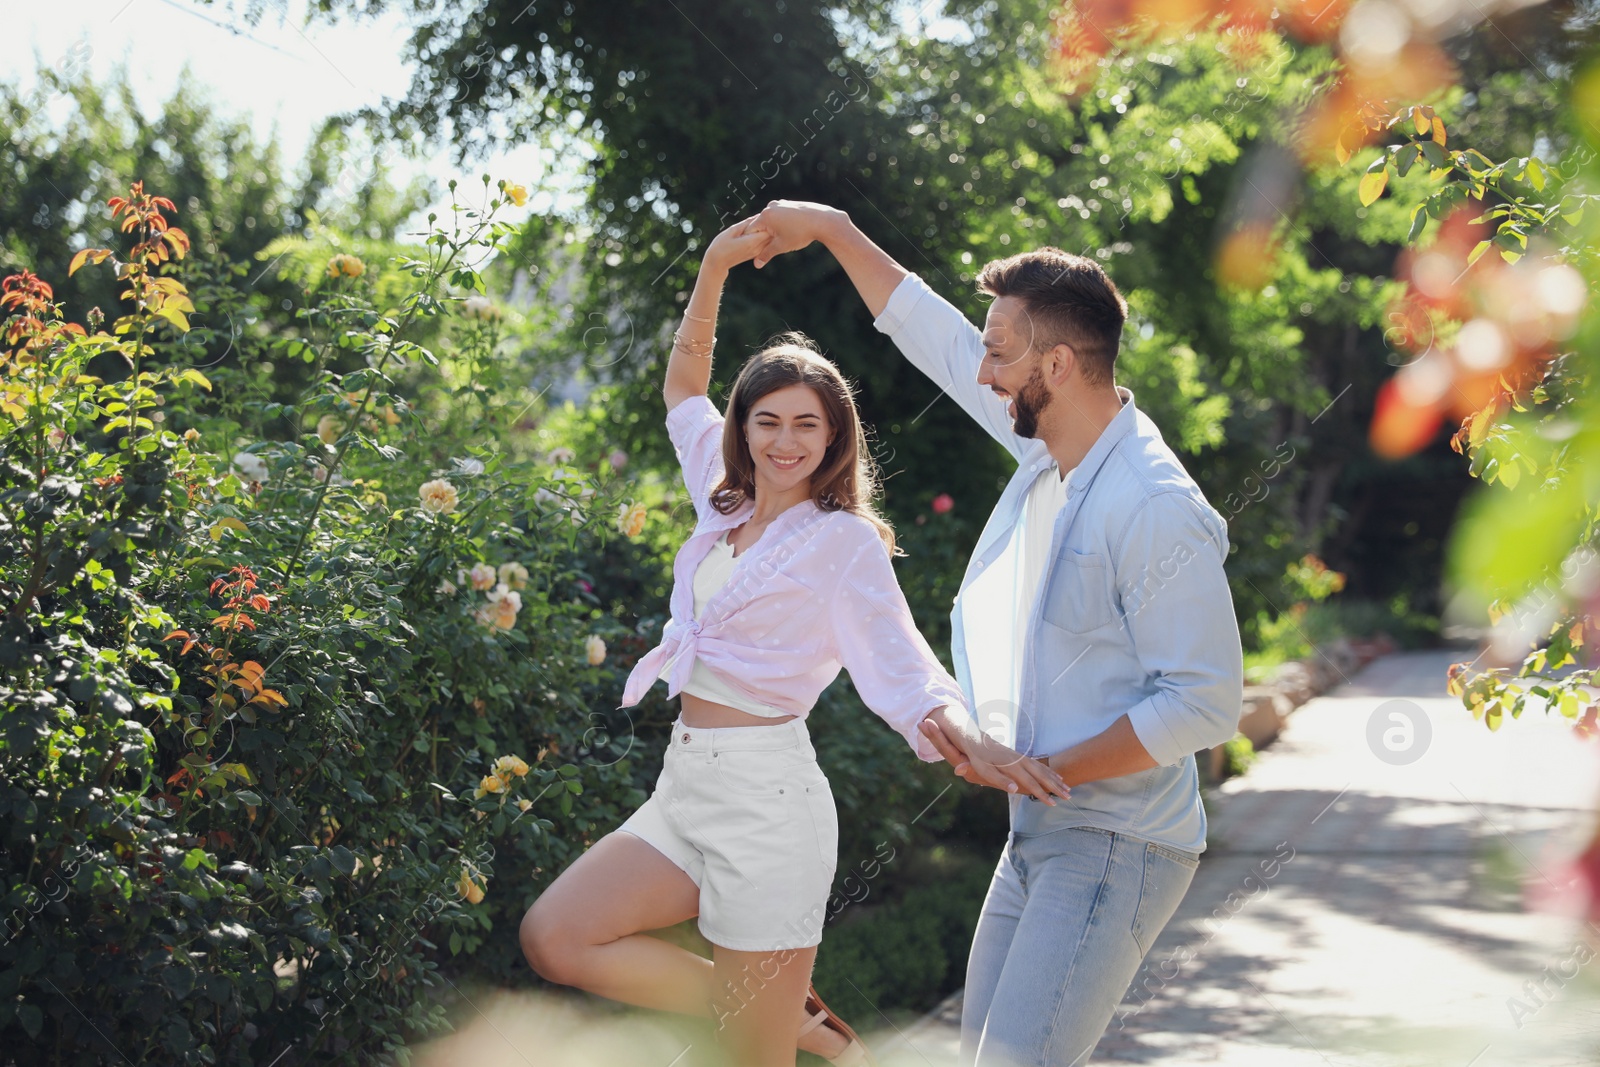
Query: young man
1094	630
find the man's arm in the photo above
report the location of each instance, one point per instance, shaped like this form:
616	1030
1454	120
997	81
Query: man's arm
1178	609
795	225
1179	612
1112	753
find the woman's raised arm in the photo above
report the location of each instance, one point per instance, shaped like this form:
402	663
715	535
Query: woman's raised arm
689	365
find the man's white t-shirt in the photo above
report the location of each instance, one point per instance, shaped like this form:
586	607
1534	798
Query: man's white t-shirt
997	605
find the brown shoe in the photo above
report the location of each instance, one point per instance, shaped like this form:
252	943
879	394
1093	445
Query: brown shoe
854	1053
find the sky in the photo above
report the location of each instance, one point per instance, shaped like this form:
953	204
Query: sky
282	76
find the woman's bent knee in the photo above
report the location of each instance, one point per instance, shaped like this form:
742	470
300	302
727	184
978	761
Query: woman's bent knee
548	952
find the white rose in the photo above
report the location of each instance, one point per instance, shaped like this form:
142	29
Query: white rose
252	466
438	496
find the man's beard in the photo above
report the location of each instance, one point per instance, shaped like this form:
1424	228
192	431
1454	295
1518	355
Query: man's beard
1030	401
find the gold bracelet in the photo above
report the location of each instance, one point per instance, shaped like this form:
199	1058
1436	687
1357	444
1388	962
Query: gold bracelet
701	349
696	318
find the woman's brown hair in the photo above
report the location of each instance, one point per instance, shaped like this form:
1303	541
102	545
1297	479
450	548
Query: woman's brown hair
847	477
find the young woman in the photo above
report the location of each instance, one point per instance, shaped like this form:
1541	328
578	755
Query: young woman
786	577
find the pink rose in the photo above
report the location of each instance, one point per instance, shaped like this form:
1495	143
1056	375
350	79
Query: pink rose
943	503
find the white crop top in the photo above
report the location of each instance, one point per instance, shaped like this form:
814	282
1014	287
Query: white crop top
712	574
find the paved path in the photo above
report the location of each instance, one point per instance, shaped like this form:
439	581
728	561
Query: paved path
1391	930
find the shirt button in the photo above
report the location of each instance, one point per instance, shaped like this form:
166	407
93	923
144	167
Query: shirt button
686	739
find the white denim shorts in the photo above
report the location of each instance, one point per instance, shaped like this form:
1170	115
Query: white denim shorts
747	814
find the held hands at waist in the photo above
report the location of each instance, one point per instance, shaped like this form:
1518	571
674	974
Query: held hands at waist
980	759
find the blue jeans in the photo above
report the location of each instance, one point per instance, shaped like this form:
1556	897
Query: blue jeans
1069	917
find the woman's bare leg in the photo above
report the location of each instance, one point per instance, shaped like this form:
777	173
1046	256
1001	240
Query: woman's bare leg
586	931
761	1004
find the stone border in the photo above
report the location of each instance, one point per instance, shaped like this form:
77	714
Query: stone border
1268	706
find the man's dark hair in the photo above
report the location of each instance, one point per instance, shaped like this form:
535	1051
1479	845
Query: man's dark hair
1069	299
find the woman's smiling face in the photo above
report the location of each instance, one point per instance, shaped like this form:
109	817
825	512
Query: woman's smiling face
788	432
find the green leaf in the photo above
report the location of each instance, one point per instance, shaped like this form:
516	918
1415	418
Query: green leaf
178	979
1536	175
1404	158
343	859
1503	548
1419	221
1433	154
1477	251
189	374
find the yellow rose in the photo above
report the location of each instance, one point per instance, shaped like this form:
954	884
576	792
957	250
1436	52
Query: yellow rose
517	194
630	519
482	576
469	888
501	610
524	804
346	265
510	766
492	783
595	650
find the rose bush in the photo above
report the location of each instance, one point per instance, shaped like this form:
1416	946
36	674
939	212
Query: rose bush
287	723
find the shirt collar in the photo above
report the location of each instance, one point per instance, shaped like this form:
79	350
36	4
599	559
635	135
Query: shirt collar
718	522
1123	423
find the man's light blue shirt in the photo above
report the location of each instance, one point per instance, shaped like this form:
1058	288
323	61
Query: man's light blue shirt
1133	615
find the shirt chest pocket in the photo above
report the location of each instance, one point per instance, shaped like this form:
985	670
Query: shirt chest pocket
1079	596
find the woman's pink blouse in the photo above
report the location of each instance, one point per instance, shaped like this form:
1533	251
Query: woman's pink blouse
815	592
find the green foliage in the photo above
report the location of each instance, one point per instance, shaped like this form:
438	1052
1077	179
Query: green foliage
1527	537
902	945
292	690
950	152
1239	753
76	140
251	739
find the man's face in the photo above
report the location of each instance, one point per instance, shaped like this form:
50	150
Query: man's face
1010	366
